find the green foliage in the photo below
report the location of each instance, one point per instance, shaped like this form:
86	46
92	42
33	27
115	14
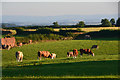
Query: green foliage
81	24
55	24
78	29
118	22
106	23
38	37
44	30
112	21
19	30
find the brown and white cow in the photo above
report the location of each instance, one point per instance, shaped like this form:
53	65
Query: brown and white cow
19	56
86	51
45	54
75	53
53	55
69	54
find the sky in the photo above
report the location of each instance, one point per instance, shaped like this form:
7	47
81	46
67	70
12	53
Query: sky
59	8
47	12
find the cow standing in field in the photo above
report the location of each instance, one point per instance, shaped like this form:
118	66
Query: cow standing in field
94	46
69	54
86	51
75	53
7	43
19	56
45	54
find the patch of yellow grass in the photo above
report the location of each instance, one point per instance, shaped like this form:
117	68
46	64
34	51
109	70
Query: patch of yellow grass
90	29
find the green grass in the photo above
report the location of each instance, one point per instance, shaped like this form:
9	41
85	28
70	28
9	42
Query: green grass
103	65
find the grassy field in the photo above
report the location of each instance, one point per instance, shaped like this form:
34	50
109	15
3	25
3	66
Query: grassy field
91	29
103	65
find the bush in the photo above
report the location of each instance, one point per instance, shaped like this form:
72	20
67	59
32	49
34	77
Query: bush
45	30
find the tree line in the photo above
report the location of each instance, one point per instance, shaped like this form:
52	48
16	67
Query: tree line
104	23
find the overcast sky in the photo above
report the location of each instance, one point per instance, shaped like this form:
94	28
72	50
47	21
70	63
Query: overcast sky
59	8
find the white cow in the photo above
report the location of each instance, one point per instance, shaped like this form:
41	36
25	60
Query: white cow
19	56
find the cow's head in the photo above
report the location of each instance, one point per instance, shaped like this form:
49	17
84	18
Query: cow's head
53	55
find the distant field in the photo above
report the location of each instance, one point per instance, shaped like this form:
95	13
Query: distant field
103	65
90	29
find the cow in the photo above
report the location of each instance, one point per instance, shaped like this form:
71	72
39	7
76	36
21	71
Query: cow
87	37
19	56
8	42
86	51
75	53
45	54
94	46
69	54
53	55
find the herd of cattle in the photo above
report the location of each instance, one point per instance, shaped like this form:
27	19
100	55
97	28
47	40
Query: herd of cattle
46	54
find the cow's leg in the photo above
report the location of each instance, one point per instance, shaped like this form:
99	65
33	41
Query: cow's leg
69	55
81	53
52	57
93	54
75	56
18	59
21	59
9	47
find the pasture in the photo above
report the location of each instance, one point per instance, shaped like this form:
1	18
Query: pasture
91	29
103	65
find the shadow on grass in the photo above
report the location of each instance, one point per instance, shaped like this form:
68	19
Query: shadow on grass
86	68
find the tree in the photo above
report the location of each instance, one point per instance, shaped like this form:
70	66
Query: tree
112	21
55	24
81	24
118	22
106	23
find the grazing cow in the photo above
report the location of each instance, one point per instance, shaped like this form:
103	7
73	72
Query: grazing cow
7	43
86	51
45	54
19	56
53	55
69	54
87	37
75	53
94	46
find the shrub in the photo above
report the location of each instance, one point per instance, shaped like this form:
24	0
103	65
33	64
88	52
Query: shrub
45	30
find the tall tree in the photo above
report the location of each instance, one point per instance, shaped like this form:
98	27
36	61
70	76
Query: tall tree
118	22
106	23
112	21
55	24
81	24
